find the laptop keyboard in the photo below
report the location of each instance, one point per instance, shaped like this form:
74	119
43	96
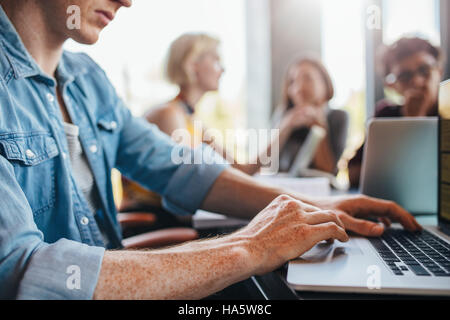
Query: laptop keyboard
422	253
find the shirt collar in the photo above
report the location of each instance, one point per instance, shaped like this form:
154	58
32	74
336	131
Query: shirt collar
22	62
69	68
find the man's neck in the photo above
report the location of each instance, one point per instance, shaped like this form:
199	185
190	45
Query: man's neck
43	45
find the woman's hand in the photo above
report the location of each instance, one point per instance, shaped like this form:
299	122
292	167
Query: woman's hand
306	117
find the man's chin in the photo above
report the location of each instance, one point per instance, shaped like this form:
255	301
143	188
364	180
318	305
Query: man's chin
87	38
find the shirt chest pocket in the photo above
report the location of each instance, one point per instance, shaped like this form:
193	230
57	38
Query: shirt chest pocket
33	157
109	128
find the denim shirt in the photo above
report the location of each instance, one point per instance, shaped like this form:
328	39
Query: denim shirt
49	239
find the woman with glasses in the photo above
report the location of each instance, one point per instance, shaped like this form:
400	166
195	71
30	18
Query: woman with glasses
413	68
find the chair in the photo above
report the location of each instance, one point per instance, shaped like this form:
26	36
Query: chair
152	239
136	224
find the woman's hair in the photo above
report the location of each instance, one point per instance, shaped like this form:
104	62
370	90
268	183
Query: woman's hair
316	63
185	50
404	48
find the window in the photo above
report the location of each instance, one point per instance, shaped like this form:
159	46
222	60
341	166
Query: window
397	22
343	53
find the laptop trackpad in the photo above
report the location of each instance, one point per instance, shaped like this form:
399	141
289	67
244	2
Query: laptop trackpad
326	252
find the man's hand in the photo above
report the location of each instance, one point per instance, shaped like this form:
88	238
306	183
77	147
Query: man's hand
241	196
286	229
351	209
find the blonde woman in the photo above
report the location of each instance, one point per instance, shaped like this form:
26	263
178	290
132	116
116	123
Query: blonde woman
193	64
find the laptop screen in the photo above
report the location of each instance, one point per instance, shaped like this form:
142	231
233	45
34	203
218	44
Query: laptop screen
444	157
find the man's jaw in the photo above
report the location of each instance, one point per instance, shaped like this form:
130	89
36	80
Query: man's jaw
105	16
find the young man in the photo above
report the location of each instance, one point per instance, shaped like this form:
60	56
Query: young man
62	130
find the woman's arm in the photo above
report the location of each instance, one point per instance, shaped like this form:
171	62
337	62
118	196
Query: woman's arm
333	145
324	159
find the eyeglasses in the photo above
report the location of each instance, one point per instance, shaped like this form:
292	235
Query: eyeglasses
405	77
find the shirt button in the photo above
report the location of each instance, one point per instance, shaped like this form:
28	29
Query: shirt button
50	97
113	125
93	148
30	154
64	155
84	221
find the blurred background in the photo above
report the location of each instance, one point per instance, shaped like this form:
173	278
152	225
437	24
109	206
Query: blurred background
258	39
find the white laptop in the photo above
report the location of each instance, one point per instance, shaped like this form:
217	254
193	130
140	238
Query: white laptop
399	262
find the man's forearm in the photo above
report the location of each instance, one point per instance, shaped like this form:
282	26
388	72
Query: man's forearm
239	195
191	271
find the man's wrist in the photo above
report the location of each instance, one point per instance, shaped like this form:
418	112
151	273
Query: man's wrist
313	201
248	254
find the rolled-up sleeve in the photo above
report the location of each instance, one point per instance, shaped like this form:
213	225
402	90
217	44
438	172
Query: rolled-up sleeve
182	176
31	268
190	183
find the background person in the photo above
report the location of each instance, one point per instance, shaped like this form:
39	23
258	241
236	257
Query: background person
307	89
413	68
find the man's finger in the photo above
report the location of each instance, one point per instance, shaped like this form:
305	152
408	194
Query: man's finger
386	221
403	216
326	231
389	209
323	217
310	208
362	227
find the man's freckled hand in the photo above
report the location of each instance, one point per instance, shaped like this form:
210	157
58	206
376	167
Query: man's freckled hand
286	229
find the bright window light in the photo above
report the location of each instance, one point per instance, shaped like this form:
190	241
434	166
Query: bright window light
343	47
411	18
